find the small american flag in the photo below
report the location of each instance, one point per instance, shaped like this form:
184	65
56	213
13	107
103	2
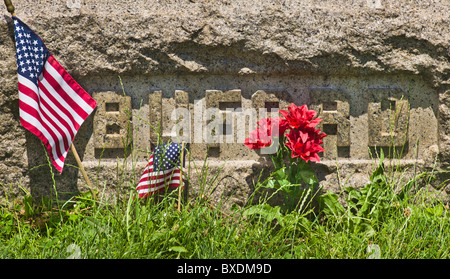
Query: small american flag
52	105
163	170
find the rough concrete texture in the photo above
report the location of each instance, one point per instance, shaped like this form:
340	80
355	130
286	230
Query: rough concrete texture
296	47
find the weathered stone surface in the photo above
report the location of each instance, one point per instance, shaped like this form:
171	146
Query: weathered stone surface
354	61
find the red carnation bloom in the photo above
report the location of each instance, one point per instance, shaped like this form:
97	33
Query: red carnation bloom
300	117
267	128
274	126
255	141
303	140
305	144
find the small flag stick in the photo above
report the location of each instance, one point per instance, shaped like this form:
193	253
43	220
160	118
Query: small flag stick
10	7
186	183
182	173
80	165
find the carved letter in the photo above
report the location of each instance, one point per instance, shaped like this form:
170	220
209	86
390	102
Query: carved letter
112	127
222	106
388	113
332	106
164	121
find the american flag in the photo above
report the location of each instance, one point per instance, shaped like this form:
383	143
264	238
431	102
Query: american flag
52	105
163	170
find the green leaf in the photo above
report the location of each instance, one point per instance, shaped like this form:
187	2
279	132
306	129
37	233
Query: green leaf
280	174
330	205
293	221
436	211
265	211
284	182
179	249
378	173
74	217
365	228
308	176
270	184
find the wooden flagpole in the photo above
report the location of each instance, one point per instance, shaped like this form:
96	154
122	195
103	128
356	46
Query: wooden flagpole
11	10
186	183
182	173
10	7
80	165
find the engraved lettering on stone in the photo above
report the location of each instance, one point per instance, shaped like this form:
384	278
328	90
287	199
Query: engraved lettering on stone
245	122
388	117
166	115
332	106
198	121
112	125
155	115
268	102
220	109
181	118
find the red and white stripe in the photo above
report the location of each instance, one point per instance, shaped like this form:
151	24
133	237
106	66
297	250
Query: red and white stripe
55	109
153	181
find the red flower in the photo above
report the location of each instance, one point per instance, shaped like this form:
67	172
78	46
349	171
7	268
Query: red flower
267	128
300	117
255	141
305	144
303	140
274	126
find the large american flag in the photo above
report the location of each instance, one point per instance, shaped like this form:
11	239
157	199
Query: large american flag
52	105
163	170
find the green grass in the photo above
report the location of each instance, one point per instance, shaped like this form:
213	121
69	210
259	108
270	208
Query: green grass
411	228
397	218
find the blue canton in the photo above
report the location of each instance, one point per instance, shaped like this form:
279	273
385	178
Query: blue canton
166	157
30	50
